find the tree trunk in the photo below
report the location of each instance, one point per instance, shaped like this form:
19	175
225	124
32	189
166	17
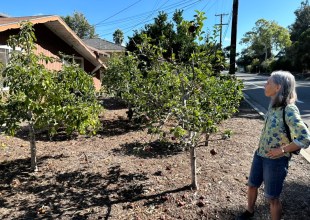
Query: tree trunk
266	53
193	167
207	139
33	148
193	159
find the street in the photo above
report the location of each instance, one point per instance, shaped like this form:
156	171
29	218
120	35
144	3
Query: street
254	94
254	89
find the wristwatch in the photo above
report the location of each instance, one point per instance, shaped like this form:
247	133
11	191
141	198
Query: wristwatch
283	151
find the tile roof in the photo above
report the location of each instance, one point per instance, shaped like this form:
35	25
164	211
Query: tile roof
103	45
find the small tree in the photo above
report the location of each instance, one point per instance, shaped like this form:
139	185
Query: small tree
187	94
45	99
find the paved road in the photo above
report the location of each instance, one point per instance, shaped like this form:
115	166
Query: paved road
254	93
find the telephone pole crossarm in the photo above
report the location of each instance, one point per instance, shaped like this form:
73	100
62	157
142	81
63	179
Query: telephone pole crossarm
221	25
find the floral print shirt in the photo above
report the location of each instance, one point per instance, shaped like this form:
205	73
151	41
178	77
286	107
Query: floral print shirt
274	134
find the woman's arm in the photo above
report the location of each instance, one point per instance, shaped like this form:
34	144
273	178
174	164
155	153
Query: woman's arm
280	151
299	131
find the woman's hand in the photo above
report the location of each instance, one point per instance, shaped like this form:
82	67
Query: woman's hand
275	153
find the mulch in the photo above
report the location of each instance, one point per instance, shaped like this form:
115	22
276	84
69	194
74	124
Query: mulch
125	173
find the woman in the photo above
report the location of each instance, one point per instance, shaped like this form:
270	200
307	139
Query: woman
270	162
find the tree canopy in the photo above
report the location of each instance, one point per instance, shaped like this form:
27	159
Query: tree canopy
118	37
298	53
302	21
175	38
266	38
79	24
270	47
44	99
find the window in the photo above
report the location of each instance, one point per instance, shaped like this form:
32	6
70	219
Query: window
75	60
5	52
4	59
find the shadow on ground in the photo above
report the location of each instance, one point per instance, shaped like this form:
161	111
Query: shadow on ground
155	149
72	195
117	127
111	103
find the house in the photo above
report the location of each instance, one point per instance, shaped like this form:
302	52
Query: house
53	36
105	47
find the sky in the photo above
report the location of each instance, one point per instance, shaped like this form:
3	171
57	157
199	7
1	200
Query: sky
129	15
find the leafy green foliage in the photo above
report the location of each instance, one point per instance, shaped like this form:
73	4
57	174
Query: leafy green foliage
302	21
118	37
188	93
79	24
177	38
298	53
46	99
227	134
265	39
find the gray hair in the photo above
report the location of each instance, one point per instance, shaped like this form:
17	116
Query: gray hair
287	93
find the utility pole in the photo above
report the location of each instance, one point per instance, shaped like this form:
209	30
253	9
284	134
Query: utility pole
221	27
233	38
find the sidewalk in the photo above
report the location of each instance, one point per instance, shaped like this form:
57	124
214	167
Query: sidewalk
261	111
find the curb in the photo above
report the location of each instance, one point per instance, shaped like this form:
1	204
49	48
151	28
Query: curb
261	111
305	154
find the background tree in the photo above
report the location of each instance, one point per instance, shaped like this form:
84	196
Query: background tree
298	53
302	21
266	38
118	37
177	40
173	37
264	41
45	99
79	24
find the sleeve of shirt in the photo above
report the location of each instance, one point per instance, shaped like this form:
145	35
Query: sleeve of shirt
299	131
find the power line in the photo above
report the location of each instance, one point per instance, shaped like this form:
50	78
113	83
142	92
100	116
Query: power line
119	12
130	23
153	9
205	6
167	13
168	7
229	22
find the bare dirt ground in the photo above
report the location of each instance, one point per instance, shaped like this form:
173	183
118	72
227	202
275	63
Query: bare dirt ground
124	173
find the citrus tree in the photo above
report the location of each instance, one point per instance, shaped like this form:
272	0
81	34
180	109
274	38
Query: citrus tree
187	95
42	98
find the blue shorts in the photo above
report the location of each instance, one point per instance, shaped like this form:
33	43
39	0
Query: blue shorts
270	171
